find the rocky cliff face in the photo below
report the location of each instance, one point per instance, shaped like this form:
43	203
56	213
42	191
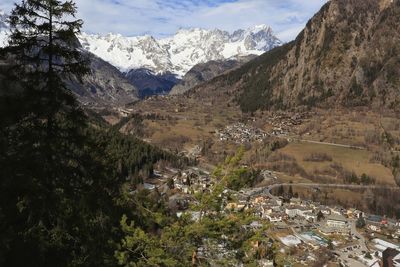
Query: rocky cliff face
348	55
179	53
105	86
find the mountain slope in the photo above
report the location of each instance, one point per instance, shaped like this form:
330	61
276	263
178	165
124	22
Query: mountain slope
179	53
348	55
206	71
104	86
149	83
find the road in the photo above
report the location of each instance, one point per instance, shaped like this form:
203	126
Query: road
332	144
339	145
294	139
267	190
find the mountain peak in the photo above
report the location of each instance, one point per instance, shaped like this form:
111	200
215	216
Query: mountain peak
179	53
259	28
4	29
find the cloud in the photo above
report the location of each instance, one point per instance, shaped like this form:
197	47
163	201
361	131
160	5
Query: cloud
165	17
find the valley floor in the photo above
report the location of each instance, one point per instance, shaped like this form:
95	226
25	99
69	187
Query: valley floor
352	148
317	145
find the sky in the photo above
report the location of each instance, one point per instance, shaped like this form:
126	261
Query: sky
162	18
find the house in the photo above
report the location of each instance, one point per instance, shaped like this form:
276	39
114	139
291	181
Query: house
336	211
235	206
309	216
296	201
354	213
374	226
260	200
336	221
265	263
304	210
325	210
278	202
266	210
274	217
292	211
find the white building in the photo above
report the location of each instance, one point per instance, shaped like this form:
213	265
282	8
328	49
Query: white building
336	221
292	211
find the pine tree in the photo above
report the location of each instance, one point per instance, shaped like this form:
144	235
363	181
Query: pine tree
281	191
43	44
320	216
360	223
55	198
290	193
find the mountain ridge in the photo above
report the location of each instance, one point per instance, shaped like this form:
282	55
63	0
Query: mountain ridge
179	53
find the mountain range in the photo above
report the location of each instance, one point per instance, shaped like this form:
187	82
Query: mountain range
181	52
156	66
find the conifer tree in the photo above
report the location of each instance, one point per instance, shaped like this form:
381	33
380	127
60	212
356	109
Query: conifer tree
44	45
55	201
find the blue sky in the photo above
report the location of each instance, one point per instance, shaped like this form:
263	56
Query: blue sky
164	17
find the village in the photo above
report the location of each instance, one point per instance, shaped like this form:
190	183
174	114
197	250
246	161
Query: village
240	133
301	228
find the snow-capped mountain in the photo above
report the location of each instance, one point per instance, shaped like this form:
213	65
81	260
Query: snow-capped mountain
3	29
179	53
